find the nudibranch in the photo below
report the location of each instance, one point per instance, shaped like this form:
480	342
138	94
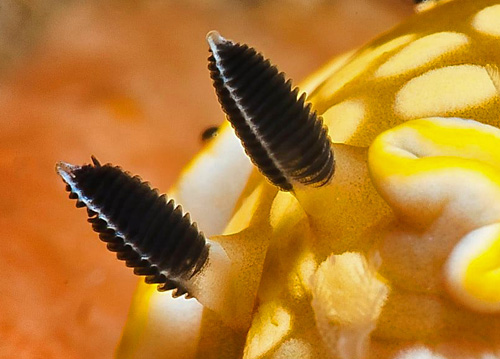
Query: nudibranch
366	223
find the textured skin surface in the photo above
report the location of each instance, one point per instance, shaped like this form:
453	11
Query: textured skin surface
398	256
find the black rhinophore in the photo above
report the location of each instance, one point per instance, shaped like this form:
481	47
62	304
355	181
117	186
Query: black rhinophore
283	137
147	231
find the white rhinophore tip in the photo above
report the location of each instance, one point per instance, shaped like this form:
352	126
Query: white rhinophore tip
214	39
66	170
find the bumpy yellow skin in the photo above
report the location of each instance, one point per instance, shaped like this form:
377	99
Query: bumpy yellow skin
399	256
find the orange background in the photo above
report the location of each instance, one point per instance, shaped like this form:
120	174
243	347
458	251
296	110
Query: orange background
127	82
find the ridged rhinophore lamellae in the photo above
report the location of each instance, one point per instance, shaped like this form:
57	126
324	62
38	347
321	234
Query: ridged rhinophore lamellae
284	138
146	230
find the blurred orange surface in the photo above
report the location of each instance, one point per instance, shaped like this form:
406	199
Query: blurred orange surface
127	82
